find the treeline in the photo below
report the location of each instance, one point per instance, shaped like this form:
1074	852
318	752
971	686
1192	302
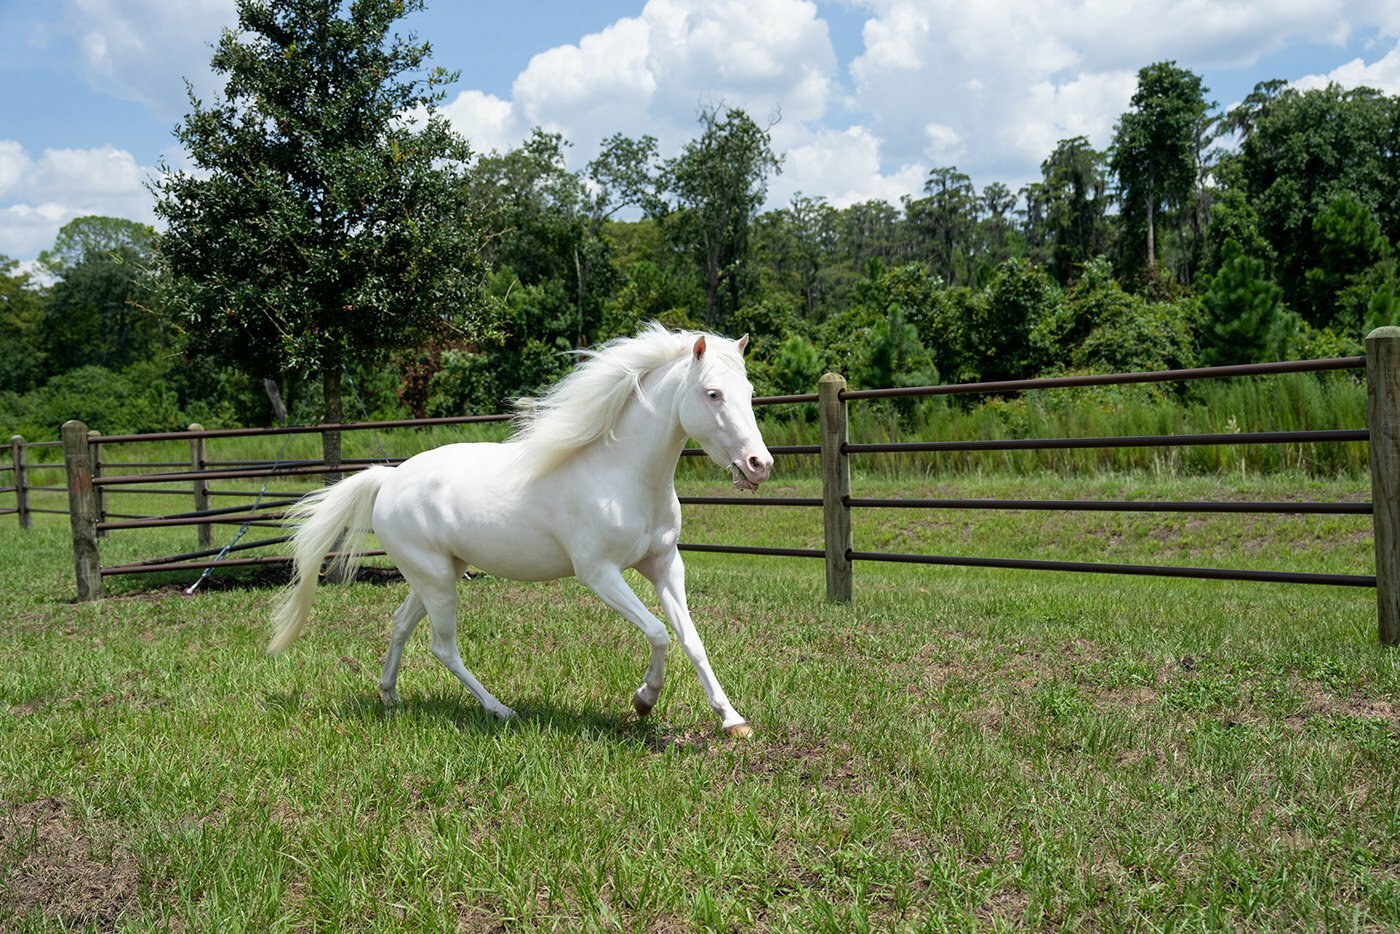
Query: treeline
1199	237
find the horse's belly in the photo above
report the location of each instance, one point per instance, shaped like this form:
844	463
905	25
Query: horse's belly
508	553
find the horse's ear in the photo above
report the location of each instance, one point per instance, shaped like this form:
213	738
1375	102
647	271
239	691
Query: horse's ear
699	346
743	342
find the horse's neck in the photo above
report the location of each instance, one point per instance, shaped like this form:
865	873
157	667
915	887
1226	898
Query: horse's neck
647	440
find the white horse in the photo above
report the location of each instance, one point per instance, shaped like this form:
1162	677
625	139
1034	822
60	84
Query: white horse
585	488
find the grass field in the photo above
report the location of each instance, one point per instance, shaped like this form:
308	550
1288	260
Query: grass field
959	749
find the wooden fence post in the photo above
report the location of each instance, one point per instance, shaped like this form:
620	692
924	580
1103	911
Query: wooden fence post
21	475
82	510
1383	418
836	487
201	487
99	495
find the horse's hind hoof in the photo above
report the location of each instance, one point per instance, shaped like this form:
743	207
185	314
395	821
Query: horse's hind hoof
739	731
641	706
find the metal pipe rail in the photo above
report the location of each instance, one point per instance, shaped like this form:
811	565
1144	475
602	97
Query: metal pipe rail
1113	379
1141	570
199	519
299	429
1082	505
1126	441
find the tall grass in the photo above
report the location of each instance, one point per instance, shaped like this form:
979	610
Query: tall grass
1291	402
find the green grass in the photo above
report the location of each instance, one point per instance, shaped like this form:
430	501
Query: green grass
958	749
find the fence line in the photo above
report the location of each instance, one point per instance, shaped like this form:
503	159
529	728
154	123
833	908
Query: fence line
90	480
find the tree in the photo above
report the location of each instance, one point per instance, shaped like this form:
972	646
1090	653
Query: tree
1071	202
93	316
946	216
1155	146
718	183
326	221
22	358
1301	151
1245	321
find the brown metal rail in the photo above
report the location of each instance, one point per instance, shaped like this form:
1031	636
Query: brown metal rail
1114	379
746	550
298	429
1142	570
749	500
202	518
227	474
1127	441
1081	505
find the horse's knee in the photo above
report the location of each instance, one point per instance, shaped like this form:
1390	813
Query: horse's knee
445	651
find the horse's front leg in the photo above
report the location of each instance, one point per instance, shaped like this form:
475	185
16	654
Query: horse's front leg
611	587
666	572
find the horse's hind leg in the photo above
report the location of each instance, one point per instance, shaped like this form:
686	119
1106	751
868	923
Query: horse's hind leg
406	619
438	591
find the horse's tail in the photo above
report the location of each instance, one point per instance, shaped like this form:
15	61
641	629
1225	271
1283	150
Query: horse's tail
339	514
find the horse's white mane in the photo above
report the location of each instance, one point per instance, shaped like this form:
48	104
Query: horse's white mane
585	406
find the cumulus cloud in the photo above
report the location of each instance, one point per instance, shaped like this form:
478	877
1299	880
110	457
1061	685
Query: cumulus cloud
845	167
144	50
1382	74
995	84
648	74
62	184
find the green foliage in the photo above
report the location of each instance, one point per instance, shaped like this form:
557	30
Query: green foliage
138	398
893	355
797	366
321	226
1244	317
1155	153
23	360
1302	151
716	186
1066	210
98	312
1101	328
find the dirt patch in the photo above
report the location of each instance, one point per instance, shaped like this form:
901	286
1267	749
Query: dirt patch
51	863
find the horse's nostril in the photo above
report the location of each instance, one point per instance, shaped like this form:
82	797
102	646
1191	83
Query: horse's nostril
753	461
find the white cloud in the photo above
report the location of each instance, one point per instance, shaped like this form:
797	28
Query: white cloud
993	85
487	122
144	50
649	73
14	163
845	167
62	184
1382	74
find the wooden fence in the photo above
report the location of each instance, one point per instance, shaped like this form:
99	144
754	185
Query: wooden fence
90	482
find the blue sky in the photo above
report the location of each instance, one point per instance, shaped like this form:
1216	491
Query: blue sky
871	93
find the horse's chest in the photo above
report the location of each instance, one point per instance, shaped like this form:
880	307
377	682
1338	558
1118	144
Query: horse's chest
635	530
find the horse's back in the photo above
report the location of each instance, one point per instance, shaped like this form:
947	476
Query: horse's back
470	501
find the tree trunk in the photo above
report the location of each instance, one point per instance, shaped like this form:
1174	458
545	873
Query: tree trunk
330	440
578	271
1151	234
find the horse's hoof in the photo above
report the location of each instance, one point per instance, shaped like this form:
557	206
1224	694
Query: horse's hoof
642	707
739	731
505	713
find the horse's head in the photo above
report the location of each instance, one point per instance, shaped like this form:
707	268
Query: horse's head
716	409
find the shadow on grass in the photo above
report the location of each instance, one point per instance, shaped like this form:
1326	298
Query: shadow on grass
271	577
463	712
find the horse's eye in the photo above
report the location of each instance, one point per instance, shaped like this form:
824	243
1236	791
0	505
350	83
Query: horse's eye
713	394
